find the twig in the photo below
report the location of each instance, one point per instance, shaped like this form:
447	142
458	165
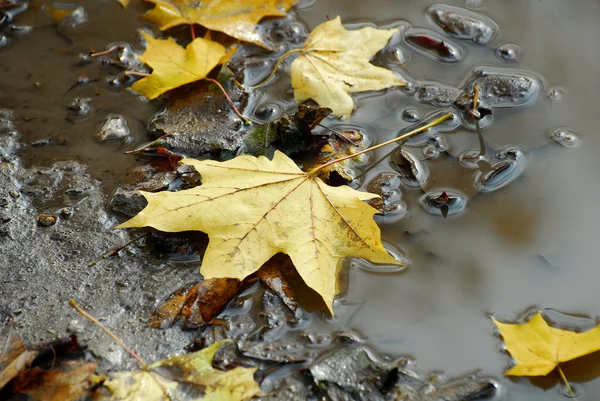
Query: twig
115	251
129	152
566	382
475	97
94	53
424	128
240	115
338	134
107	331
284	55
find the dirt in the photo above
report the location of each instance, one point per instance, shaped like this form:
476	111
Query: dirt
528	242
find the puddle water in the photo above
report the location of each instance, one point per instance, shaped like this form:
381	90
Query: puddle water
519	229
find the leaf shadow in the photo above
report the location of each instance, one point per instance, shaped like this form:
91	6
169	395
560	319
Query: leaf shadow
580	370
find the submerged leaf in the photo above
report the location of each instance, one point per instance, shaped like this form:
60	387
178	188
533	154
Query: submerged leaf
253	208
174	66
236	18
539	348
184	377
335	62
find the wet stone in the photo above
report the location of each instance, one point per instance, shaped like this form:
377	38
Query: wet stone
463	24
443	202
499	87
75	19
413	172
47	220
565	137
434	46
387	186
436	94
508	52
293	32
115	127
127	202
200	122
80	107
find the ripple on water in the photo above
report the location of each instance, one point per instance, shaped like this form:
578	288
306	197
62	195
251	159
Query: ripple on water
383	268
565	137
443	202
508	52
498	175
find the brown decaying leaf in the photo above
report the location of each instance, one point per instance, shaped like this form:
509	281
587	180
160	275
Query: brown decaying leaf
196	303
275	274
14	359
70	381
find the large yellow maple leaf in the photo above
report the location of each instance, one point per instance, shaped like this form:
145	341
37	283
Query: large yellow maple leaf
335	62
174	66
236	18
539	348
253	208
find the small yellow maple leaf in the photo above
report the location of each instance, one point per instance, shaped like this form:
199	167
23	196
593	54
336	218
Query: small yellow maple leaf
124	3
188	370
236	18
253	208
539	348
174	66
335	62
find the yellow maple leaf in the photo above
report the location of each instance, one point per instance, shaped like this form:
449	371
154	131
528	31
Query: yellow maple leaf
188	370
253	208
236	18
174	66
335	62
539	348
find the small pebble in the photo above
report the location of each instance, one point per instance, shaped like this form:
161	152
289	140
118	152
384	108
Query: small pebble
47	220
14	193
75	326
66	212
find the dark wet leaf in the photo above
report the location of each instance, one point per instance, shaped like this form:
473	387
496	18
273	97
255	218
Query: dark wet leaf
277	274
196	303
292	133
69	381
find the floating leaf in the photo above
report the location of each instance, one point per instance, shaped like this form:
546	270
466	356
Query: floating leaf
539	348
236	18
253	208
184	377
335	62
174	66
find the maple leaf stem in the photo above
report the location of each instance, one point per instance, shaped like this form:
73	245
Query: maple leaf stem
214	81
136	74
107	331
192	31
424	128
475	97
284	55
566	382
94	53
